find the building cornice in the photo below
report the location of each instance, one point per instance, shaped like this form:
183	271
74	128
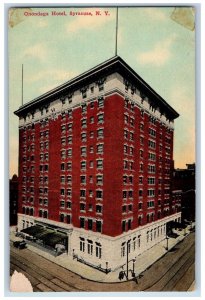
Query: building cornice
113	65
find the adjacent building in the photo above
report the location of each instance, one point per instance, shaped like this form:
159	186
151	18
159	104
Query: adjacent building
95	165
13	200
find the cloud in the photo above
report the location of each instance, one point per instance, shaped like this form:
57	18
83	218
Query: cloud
54	75
159	55
89	22
155	14
38	51
182	100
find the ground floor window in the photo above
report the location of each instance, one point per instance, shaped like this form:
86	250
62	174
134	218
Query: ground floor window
82	244
98	250
123	249
90	247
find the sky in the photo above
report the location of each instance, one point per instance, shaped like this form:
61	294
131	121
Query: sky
54	49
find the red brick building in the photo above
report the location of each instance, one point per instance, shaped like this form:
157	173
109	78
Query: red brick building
95	163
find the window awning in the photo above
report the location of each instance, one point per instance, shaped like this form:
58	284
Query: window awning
47	235
33	230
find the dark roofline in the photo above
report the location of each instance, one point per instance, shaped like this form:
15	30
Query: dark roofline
114	64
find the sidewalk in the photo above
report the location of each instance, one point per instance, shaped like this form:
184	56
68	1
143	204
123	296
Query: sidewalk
143	261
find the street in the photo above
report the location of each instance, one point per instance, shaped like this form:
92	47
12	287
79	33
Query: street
173	272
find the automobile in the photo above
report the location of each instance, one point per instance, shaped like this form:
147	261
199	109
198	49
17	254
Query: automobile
19	244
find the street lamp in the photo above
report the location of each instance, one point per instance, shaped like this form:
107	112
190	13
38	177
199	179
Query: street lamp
167	238
128	243
133	267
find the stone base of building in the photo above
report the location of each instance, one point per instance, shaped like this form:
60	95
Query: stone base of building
104	252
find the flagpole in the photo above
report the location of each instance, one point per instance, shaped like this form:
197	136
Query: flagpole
22	85
116	32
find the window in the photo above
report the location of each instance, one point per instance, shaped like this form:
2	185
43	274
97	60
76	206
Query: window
99	164
124	208
91	164
91	134
62	179
83	137
150	193
83	123
69	179
140	179
84	108
84	94
126	119
98	226
100	102
140	220
69	152
125	164
99	209
90	193
82	244
140	193
140	206
131	136
124	179
63	154
152	144
99	194
70	139
98	250
125	134
129	224
82	222
69	193
131	179
68	219
90	224
92	90
90	247
91	149
82	206
130	194
151	180
131	122
101	87
123	225
123	249
101	118
100	148
82	193
125	148
141	140
99	179
100	133
83	179
68	203
124	194
69	165
62	203
62	192
83	151
70	125
63	141
83	165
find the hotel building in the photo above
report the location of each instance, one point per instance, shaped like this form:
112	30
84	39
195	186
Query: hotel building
95	166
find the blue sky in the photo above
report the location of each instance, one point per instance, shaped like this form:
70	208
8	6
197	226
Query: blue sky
55	49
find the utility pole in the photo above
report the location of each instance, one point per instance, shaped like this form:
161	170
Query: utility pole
22	85
116	35
128	242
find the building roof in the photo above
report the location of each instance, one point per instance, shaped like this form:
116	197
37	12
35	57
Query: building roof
115	64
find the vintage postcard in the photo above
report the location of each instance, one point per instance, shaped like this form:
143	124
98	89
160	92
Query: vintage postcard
102	149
